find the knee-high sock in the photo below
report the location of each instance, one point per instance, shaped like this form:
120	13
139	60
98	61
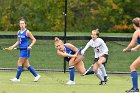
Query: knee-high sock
71	71
98	74
90	72
102	68
19	71
134	76
31	69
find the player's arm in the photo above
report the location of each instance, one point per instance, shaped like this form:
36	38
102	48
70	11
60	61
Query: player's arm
14	45
60	53
132	43
136	48
85	48
72	47
30	35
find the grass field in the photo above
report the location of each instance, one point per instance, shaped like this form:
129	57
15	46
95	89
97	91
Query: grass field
54	82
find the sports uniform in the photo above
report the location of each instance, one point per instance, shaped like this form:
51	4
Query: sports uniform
24	43
100	50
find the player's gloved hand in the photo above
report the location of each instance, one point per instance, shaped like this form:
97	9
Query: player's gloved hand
82	52
126	50
29	48
133	49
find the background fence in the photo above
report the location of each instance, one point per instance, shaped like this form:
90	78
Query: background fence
44	57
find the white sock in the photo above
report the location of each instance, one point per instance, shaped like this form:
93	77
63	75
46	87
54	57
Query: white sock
102	68
99	71
99	76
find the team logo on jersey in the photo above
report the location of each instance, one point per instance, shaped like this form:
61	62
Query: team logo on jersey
97	47
21	36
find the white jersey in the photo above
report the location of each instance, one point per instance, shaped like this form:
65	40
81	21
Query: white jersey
99	47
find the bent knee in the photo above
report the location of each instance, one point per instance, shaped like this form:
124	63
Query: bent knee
82	72
132	67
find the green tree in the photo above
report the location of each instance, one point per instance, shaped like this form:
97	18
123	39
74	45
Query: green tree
83	15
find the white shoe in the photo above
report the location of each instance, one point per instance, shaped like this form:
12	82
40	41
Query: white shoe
70	82
37	78
15	80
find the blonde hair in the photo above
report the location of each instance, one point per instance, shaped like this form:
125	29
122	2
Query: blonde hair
97	31
58	41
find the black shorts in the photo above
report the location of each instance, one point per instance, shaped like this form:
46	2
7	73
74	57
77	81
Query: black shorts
105	56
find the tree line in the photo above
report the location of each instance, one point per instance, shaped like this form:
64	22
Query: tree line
82	15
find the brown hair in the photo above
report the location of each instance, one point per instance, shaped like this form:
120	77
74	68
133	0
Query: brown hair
97	31
23	19
136	21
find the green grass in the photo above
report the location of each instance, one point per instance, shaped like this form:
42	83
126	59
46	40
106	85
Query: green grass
54	82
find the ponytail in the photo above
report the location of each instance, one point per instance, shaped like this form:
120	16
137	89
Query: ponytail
56	39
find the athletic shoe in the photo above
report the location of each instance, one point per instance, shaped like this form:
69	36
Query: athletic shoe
102	83
37	78
132	90
106	78
70	82
15	80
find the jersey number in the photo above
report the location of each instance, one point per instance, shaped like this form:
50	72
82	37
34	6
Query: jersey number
98	50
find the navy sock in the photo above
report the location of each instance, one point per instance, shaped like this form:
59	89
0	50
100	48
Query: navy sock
90	72
134	76
31	69
71	71
19	71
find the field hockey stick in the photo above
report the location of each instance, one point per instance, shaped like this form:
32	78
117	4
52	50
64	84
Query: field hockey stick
87	70
129	50
20	48
115	42
15	49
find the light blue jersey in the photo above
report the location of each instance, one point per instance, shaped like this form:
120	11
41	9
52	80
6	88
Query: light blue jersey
24	43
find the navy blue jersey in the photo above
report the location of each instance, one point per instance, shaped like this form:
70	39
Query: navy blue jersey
24	40
68	51
138	40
